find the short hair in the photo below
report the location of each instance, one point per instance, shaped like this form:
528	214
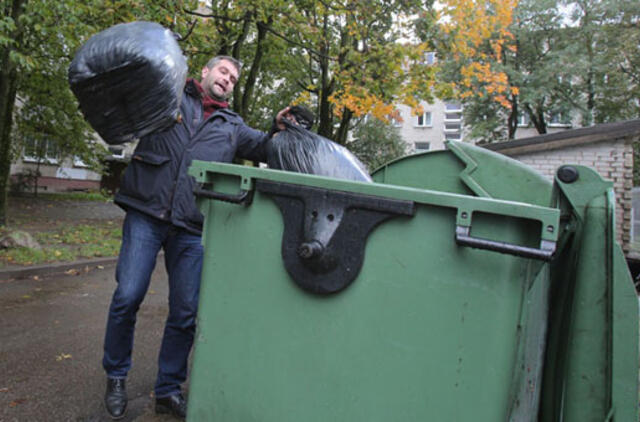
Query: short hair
217	59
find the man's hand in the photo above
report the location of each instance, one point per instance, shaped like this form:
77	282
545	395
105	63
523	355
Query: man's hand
284	114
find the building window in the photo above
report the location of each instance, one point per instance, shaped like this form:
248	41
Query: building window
523	120
396	121
453	136
455	117
77	162
424	120
430	58
452	126
44	150
116	152
559	119
452	107
422	146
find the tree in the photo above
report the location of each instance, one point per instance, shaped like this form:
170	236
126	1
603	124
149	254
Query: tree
11	63
339	58
555	64
376	143
604	33
350	61
37	41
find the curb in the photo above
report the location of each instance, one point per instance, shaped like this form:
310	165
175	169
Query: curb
56	268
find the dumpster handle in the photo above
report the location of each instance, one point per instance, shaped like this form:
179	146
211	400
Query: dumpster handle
239	198
545	252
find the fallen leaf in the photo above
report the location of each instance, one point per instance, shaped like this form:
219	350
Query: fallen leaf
57	253
63	356
17	402
100	267
4	390
72	271
35	277
26	297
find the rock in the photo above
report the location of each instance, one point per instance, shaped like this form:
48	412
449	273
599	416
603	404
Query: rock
18	239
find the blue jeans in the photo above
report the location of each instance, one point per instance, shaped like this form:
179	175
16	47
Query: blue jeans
142	238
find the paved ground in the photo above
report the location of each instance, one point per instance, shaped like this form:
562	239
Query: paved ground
52	327
51	331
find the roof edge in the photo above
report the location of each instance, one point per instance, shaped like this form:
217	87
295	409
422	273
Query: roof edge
586	135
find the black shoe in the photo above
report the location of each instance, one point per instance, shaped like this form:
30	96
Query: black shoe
115	399
175	404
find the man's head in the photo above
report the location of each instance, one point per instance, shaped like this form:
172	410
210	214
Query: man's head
220	76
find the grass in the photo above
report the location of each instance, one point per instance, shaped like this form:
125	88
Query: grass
67	244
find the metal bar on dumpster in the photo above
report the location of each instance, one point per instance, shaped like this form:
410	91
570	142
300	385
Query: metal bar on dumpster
240	198
545	252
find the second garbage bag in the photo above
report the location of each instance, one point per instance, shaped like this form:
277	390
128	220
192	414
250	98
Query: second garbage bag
300	150
128	80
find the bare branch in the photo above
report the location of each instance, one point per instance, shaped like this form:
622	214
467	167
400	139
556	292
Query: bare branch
182	38
211	15
290	41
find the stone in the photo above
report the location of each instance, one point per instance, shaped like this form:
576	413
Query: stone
17	239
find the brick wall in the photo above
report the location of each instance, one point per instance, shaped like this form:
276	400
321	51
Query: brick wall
608	149
613	160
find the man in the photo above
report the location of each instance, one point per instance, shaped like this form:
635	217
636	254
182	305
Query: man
161	212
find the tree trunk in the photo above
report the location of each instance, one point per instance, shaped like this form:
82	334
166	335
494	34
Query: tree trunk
255	69
238	100
325	117
537	118
512	123
8	93
343	130
591	95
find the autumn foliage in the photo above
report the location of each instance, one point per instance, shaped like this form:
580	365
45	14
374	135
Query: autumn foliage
478	35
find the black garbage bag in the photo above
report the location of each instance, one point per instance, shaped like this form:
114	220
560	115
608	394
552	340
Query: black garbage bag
128	80
300	150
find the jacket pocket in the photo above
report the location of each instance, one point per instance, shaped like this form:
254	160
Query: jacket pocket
147	177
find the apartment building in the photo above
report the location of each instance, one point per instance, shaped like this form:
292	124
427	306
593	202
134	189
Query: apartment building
441	121
63	175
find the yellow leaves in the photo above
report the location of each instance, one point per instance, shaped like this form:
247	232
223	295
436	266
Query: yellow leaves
417	110
474	25
360	101
303	98
62	356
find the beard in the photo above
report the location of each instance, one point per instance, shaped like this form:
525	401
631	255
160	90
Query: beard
209	85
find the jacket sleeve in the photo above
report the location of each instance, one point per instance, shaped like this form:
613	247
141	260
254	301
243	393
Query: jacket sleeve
252	144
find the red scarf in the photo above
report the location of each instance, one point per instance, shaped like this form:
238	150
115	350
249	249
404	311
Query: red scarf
209	104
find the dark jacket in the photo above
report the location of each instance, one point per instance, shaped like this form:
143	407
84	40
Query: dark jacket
156	181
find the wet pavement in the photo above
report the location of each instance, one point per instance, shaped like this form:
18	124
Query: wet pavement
51	334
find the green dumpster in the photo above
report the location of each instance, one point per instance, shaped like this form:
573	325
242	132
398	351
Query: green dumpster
460	286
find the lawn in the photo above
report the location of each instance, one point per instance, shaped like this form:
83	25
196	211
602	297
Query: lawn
67	227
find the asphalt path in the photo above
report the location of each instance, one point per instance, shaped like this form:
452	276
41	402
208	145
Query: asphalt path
51	335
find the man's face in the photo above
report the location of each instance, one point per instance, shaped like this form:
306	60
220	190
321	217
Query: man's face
219	81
